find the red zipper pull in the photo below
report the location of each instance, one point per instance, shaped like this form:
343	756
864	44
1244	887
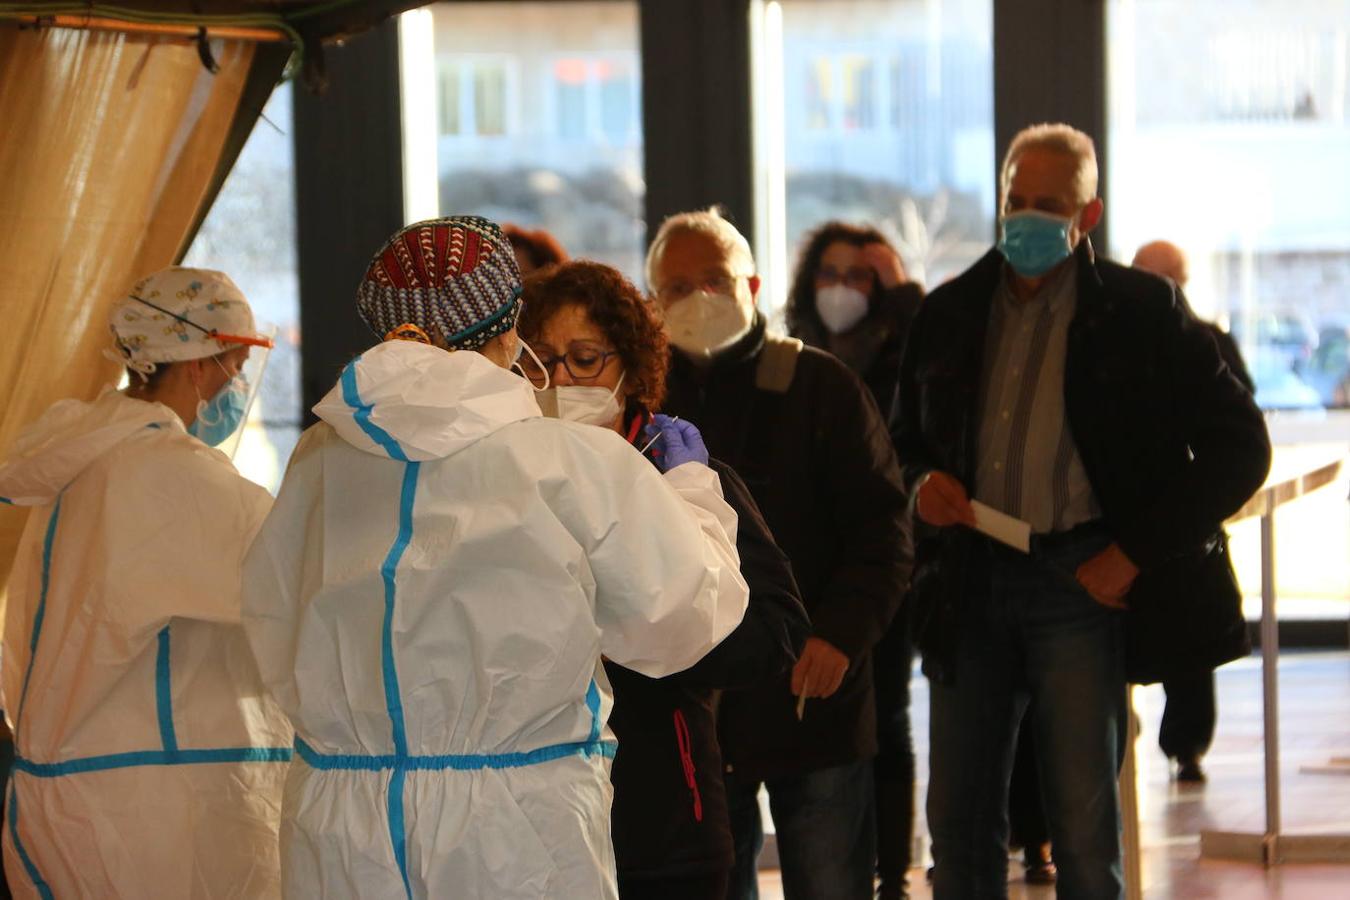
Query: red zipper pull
687	761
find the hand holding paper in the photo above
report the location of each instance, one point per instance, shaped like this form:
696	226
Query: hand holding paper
942	501
1002	527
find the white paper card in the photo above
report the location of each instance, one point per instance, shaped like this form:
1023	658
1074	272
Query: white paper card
1002	527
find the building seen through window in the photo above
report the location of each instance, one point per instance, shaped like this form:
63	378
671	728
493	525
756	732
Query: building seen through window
1229	131
886	118
539	121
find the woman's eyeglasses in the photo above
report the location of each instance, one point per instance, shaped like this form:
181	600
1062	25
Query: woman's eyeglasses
855	276
583	360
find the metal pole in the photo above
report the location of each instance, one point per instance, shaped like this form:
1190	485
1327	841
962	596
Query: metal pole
1270	660
1129	806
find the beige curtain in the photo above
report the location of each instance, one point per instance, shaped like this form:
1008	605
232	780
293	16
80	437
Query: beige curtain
108	143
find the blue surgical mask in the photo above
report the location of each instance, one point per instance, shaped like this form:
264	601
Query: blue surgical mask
1034	242
220	417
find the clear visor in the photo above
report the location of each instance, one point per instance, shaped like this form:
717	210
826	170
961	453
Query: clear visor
253	371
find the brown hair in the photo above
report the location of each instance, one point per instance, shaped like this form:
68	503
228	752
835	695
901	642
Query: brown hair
541	247
617	309
801	301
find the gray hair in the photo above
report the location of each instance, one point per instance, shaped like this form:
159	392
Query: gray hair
710	223
1056	137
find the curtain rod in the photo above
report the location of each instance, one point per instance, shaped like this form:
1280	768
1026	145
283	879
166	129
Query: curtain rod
260	35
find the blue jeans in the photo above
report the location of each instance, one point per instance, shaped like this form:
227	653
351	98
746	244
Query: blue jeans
826	831
1035	635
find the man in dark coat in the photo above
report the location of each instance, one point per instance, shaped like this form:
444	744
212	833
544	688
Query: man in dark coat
804	433
1079	397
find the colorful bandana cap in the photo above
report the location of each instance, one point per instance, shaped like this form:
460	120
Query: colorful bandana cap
455	278
178	314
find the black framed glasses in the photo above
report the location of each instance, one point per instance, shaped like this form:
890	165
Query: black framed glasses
583	360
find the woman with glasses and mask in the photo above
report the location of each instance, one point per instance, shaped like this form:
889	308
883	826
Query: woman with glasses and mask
850	296
431	595
601	349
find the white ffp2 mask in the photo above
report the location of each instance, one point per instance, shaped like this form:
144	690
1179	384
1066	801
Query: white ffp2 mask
581	403
702	324
840	307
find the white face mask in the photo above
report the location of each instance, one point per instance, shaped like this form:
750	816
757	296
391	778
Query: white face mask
581	403
840	307
702	324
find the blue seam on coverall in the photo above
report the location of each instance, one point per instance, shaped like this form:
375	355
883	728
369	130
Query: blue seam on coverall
134	758
361	412
44	891
47	540
164	693
397	828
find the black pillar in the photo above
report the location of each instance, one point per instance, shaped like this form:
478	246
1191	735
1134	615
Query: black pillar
349	197
696	109
1050	66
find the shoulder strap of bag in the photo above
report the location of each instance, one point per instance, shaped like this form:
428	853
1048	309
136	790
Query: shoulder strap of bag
777	364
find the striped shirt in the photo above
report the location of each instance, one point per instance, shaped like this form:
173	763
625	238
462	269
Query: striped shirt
1028	465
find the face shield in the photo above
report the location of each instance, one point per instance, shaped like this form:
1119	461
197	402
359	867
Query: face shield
252	371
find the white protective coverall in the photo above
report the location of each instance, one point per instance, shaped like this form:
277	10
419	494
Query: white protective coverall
148	761
429	600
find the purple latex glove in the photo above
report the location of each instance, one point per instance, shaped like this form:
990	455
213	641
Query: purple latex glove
682	443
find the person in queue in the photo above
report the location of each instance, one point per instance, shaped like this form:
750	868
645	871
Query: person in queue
850	297
431	595
806	436
1190	711
604	354
149	761
1081	398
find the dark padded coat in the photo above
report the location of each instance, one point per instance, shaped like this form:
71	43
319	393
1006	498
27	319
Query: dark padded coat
1171	441
819	462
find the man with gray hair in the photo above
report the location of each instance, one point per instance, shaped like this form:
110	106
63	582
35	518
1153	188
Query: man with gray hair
805	434
1078	403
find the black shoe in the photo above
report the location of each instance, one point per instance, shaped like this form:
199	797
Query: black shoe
1189	770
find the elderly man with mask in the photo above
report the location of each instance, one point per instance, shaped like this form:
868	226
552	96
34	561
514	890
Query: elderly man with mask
1190	711
1081	398
804	433
149	763
431	595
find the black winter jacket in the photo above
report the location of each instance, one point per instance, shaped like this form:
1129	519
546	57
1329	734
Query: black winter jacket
818	460
670	805
1171	441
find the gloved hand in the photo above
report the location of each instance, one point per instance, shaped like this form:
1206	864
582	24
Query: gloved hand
682	443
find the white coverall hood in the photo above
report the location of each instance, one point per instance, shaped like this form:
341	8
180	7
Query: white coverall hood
53	451
431	402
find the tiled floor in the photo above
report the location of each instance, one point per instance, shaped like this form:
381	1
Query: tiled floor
1315	726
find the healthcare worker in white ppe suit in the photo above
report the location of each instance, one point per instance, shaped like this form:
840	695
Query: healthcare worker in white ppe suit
149	761
431	595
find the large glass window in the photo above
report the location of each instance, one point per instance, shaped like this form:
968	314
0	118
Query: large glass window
540	120
880	113
1230	136
249	234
